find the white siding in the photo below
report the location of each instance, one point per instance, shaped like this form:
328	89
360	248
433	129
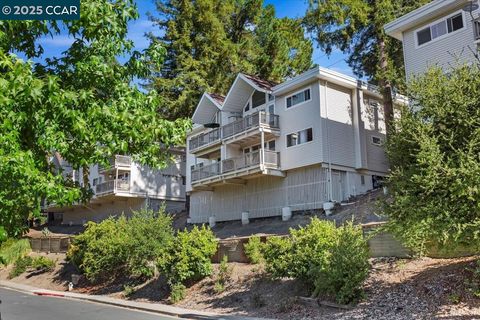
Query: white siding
445	51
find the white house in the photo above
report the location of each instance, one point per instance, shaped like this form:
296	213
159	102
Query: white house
442	32
122	187
295	145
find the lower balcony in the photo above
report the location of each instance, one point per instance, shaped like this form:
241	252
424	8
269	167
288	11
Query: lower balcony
112	187
248	166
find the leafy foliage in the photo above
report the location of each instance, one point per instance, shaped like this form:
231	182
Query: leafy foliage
253	249
41	264
21	265
189	256
127	246
209	41
80	104
223	275
13	249
435	198
333	260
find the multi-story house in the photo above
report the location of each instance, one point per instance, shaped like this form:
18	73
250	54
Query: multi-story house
444	33
122	187
270	148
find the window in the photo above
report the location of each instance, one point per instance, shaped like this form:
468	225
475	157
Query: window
376	141
440	28
258	99
270	97
300	137
270	145
95	181
362	180
298	98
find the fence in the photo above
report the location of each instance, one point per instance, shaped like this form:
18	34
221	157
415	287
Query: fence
53	244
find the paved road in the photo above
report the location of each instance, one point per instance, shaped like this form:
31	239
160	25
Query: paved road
21	306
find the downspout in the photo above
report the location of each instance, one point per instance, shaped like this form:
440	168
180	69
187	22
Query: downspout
330	187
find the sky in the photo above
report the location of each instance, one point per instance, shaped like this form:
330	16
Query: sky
137	29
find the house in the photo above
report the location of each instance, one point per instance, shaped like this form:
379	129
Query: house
265	148
122	187
443	33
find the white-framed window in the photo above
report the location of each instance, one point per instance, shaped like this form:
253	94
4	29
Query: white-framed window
440	28
95	181
376	141
299	137
298	98
362	180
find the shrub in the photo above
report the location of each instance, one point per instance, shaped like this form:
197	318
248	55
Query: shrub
21	265
43	264
223	276
127	246
278	257
189	256
253	250
13	249
3	235
178	292
346	266
334	260
128	290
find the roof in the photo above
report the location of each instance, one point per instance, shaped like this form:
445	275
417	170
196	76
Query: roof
421	15
262	83
217	97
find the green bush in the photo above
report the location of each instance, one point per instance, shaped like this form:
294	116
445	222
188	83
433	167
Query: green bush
346	266
189	256
13	249
3	235
278	257
178	292
253	249
43	264
21	265
223	276
126	246
333	260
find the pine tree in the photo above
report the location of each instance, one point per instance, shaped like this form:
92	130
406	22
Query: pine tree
209	41
356	27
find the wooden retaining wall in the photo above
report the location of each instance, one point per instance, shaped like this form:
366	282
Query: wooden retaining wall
53	244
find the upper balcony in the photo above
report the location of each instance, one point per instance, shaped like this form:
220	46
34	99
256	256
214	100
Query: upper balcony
119	161
112	187
239	131
250	165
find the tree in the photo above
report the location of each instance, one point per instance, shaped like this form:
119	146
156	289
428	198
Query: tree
209	42
81	105
434	155
355	27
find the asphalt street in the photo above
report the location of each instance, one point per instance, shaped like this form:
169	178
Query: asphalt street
21	306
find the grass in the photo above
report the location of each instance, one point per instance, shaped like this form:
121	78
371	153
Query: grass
13	249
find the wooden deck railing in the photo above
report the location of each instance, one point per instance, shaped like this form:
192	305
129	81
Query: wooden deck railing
272	160
250	121
112	186
117	161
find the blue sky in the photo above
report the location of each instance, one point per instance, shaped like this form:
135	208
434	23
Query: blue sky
284	8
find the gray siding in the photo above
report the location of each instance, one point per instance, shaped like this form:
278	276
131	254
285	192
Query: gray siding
445	52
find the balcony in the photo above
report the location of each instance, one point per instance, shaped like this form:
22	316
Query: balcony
476	29
248	165
236	130
118	161
112	187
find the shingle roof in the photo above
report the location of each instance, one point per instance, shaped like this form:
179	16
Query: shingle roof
264	84
217	97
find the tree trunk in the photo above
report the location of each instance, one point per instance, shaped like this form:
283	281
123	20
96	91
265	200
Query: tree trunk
86	180
386	86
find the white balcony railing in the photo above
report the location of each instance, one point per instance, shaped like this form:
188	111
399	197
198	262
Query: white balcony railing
112	186
476	29
251	121
115	162
252	159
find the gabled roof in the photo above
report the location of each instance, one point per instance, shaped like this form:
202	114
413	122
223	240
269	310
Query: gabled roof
206	109
261	83
421	15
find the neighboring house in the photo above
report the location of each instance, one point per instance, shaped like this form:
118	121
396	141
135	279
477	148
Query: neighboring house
122	187
442	32
295	145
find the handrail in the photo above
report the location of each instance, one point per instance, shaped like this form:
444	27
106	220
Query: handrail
250	121
117	160
272	160
112	186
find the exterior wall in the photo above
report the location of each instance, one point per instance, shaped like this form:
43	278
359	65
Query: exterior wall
445	51
297	118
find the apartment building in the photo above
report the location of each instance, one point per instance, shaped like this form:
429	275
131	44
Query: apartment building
122	187
265	148
444	33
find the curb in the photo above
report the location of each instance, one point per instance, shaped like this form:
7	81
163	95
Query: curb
160	309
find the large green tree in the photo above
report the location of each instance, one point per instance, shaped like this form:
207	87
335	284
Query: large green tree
434	185
80	104
209	41
356	28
